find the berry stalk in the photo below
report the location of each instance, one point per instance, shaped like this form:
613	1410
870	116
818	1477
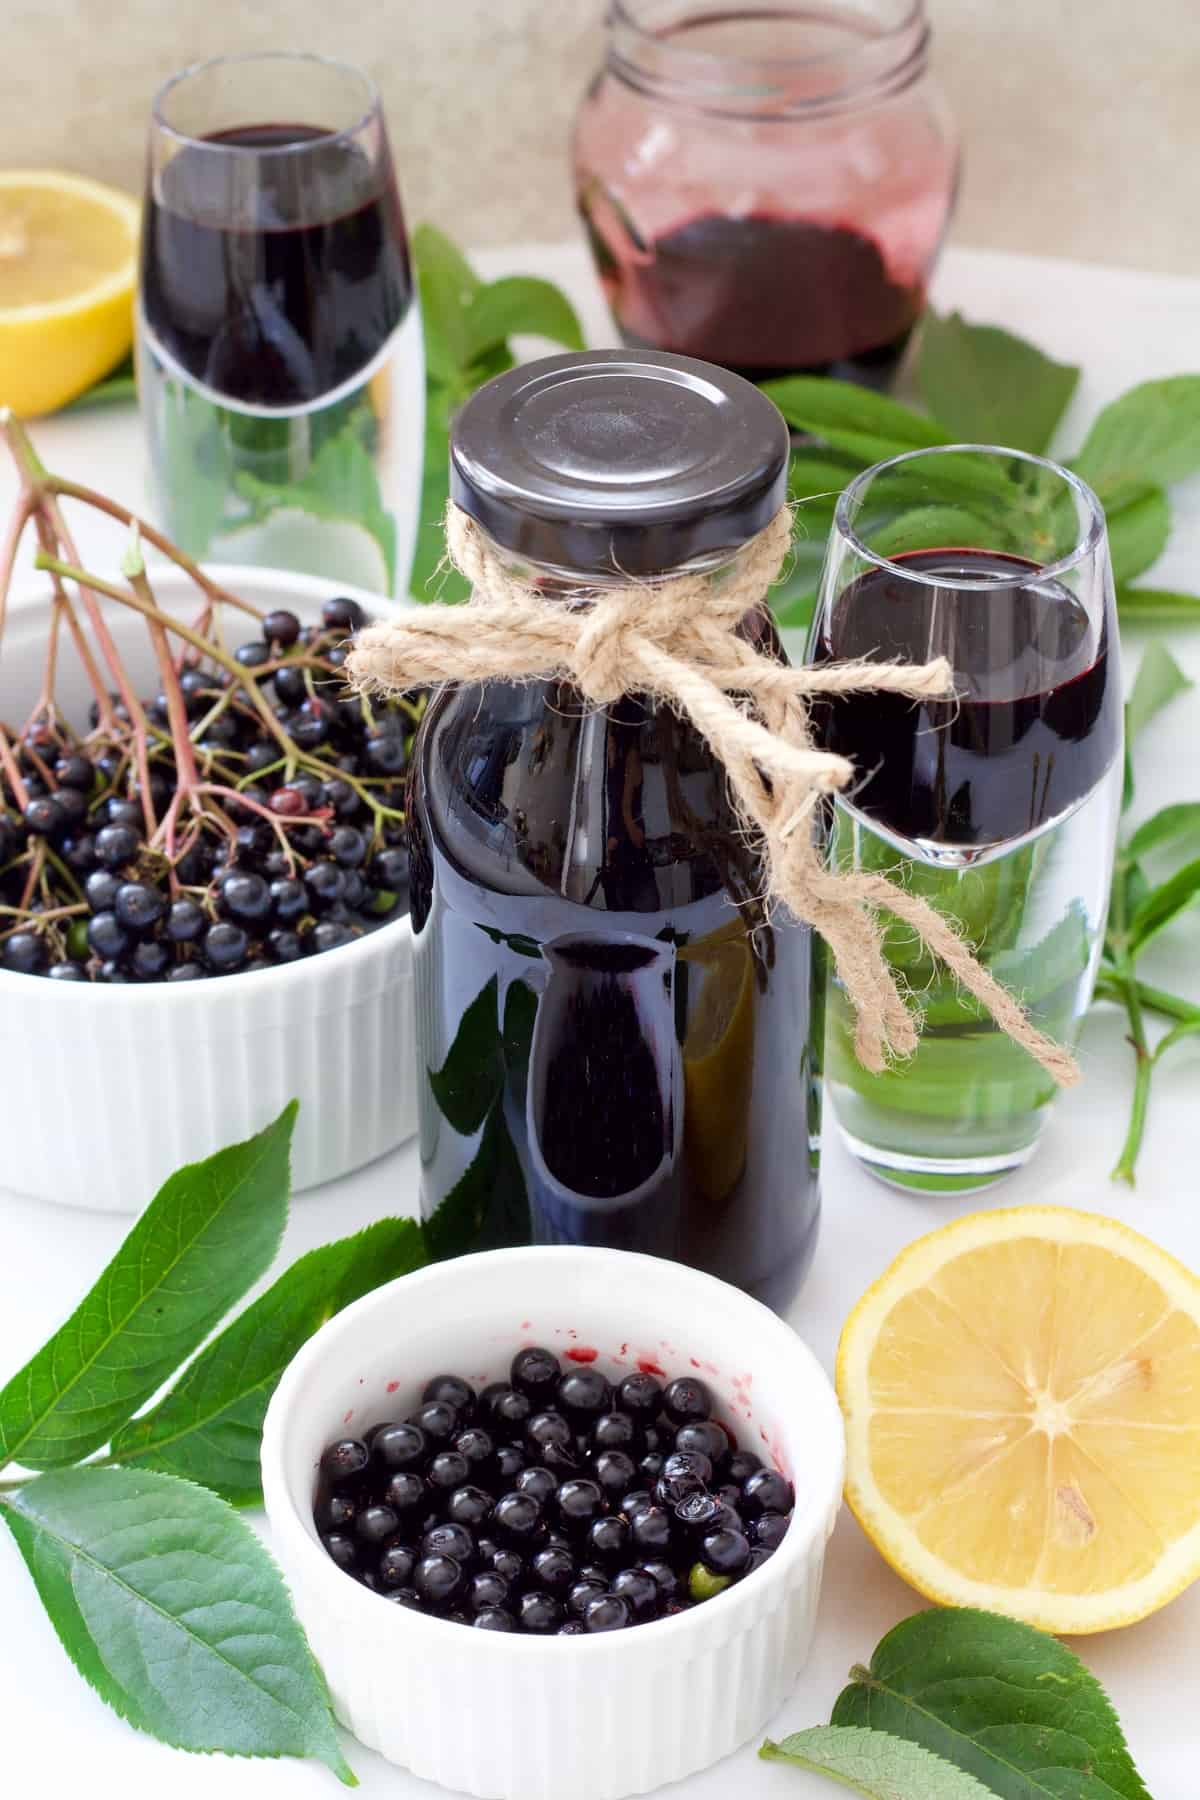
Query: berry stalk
247	813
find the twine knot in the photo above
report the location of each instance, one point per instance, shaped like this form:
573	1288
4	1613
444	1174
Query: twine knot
605	647
676	640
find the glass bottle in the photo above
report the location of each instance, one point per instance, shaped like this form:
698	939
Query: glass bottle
766	184
619	1044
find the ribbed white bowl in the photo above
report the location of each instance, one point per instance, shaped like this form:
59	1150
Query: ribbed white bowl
106	1090
524	1718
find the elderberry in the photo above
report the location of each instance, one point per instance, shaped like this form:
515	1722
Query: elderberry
308	857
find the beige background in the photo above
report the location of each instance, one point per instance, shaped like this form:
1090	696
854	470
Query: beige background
1081	118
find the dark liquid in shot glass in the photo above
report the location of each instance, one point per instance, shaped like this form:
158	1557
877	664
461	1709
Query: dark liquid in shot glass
1037	721
253	305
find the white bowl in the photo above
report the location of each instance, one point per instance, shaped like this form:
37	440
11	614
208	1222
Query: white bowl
526	1718
158	1075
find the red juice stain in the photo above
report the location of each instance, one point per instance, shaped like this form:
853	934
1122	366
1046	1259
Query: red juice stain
648	1366
526	1325
392	1386
348	1416
582	1353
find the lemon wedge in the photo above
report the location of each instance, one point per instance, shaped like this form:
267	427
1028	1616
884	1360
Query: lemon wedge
1022	1400
68	262
718	1060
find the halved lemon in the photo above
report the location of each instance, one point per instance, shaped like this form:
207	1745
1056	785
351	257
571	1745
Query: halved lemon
68	259
1022	1400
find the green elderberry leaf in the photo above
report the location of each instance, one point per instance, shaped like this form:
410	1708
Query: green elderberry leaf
831	409
1159	681
448	287
1138	529
210	1232
172	1610
1002	1701
208	1428
1156	909
987	386
875	1764
1149	436
1157	606
524	305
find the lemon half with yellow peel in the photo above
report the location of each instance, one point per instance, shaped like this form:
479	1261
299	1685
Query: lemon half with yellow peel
1022	1400
68	263
718	1060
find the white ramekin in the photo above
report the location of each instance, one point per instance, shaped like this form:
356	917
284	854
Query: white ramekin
154	1076
525	1718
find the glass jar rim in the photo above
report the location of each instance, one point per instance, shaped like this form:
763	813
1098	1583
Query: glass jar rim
162	123
1085	545
896	53
622	13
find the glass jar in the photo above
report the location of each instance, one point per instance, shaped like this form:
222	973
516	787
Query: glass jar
767	184
619	1043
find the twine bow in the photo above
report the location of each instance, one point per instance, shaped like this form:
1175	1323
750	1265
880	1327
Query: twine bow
675	641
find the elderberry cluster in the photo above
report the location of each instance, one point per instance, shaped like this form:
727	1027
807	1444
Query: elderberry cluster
310	856
553	1502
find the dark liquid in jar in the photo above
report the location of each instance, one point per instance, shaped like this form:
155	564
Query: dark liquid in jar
765	296
621	1049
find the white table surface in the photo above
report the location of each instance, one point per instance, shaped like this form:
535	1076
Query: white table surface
1123	327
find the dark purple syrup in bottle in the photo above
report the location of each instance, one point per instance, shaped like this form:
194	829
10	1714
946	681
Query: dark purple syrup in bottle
618	1041
578	881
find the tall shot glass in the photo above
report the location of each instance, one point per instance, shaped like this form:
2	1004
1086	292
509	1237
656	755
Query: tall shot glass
998	806
280	363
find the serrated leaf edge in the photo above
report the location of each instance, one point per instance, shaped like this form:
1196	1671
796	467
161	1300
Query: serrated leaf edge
342	1769
10	1453
860	1677
135	1456
769	1751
